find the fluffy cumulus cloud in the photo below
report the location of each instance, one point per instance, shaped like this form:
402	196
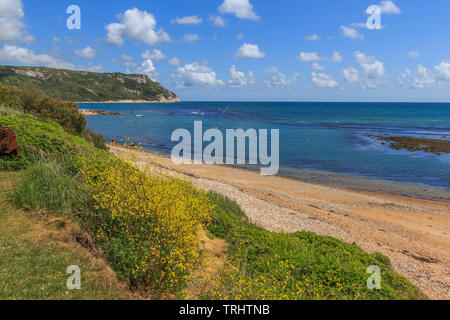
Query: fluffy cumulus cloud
271	70
443	70
136	25
309	57
240	79
317	66
336	57
125	60
218	21
426	78
323	80
15	54
372	69
196	75
351	75
422	79
190	37
149	69
187	20
389	7
279	79
351	33
155	55
249	51
241	8
11	24
87	52
174	61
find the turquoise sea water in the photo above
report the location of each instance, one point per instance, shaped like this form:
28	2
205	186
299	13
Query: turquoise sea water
322	141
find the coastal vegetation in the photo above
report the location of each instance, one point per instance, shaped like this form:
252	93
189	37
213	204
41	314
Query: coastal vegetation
36	249
45	107
85	86
146	225
298	266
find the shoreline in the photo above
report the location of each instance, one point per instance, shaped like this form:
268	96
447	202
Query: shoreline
125	101
349	181
92	112
412	232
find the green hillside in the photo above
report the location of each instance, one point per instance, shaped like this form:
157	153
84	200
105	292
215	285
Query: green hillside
86	86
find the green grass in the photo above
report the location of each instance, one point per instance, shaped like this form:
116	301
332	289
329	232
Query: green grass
50	185
35	254
40	138
295	266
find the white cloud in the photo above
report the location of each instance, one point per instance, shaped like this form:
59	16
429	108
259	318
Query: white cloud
11	24
414	54
240	36
127	61
250	51
14	54
336	57
239	79
309	57
279	79
313	37
218	21
351	75
87	52
351	33
316	66
373	70
423	79
190	37
443	70
360	25
241	8
389	7
323	80
174	61
149	69
272	69
187	20
195	74
136	25
91	67
155	54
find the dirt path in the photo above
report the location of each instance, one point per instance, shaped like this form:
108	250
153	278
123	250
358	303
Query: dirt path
413	233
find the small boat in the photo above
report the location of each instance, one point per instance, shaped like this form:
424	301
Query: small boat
140	116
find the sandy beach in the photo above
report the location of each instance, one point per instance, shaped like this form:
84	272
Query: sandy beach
413	233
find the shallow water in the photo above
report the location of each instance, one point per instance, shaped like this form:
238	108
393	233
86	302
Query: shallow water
330	137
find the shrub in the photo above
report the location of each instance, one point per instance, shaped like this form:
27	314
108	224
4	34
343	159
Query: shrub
298	266
148	223
97	140
38	139
47	107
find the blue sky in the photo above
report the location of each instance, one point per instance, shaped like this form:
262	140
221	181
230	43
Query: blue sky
286	50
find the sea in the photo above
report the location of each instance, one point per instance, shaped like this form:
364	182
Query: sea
320	142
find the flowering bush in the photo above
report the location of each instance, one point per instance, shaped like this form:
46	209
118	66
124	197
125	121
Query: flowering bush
147	222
